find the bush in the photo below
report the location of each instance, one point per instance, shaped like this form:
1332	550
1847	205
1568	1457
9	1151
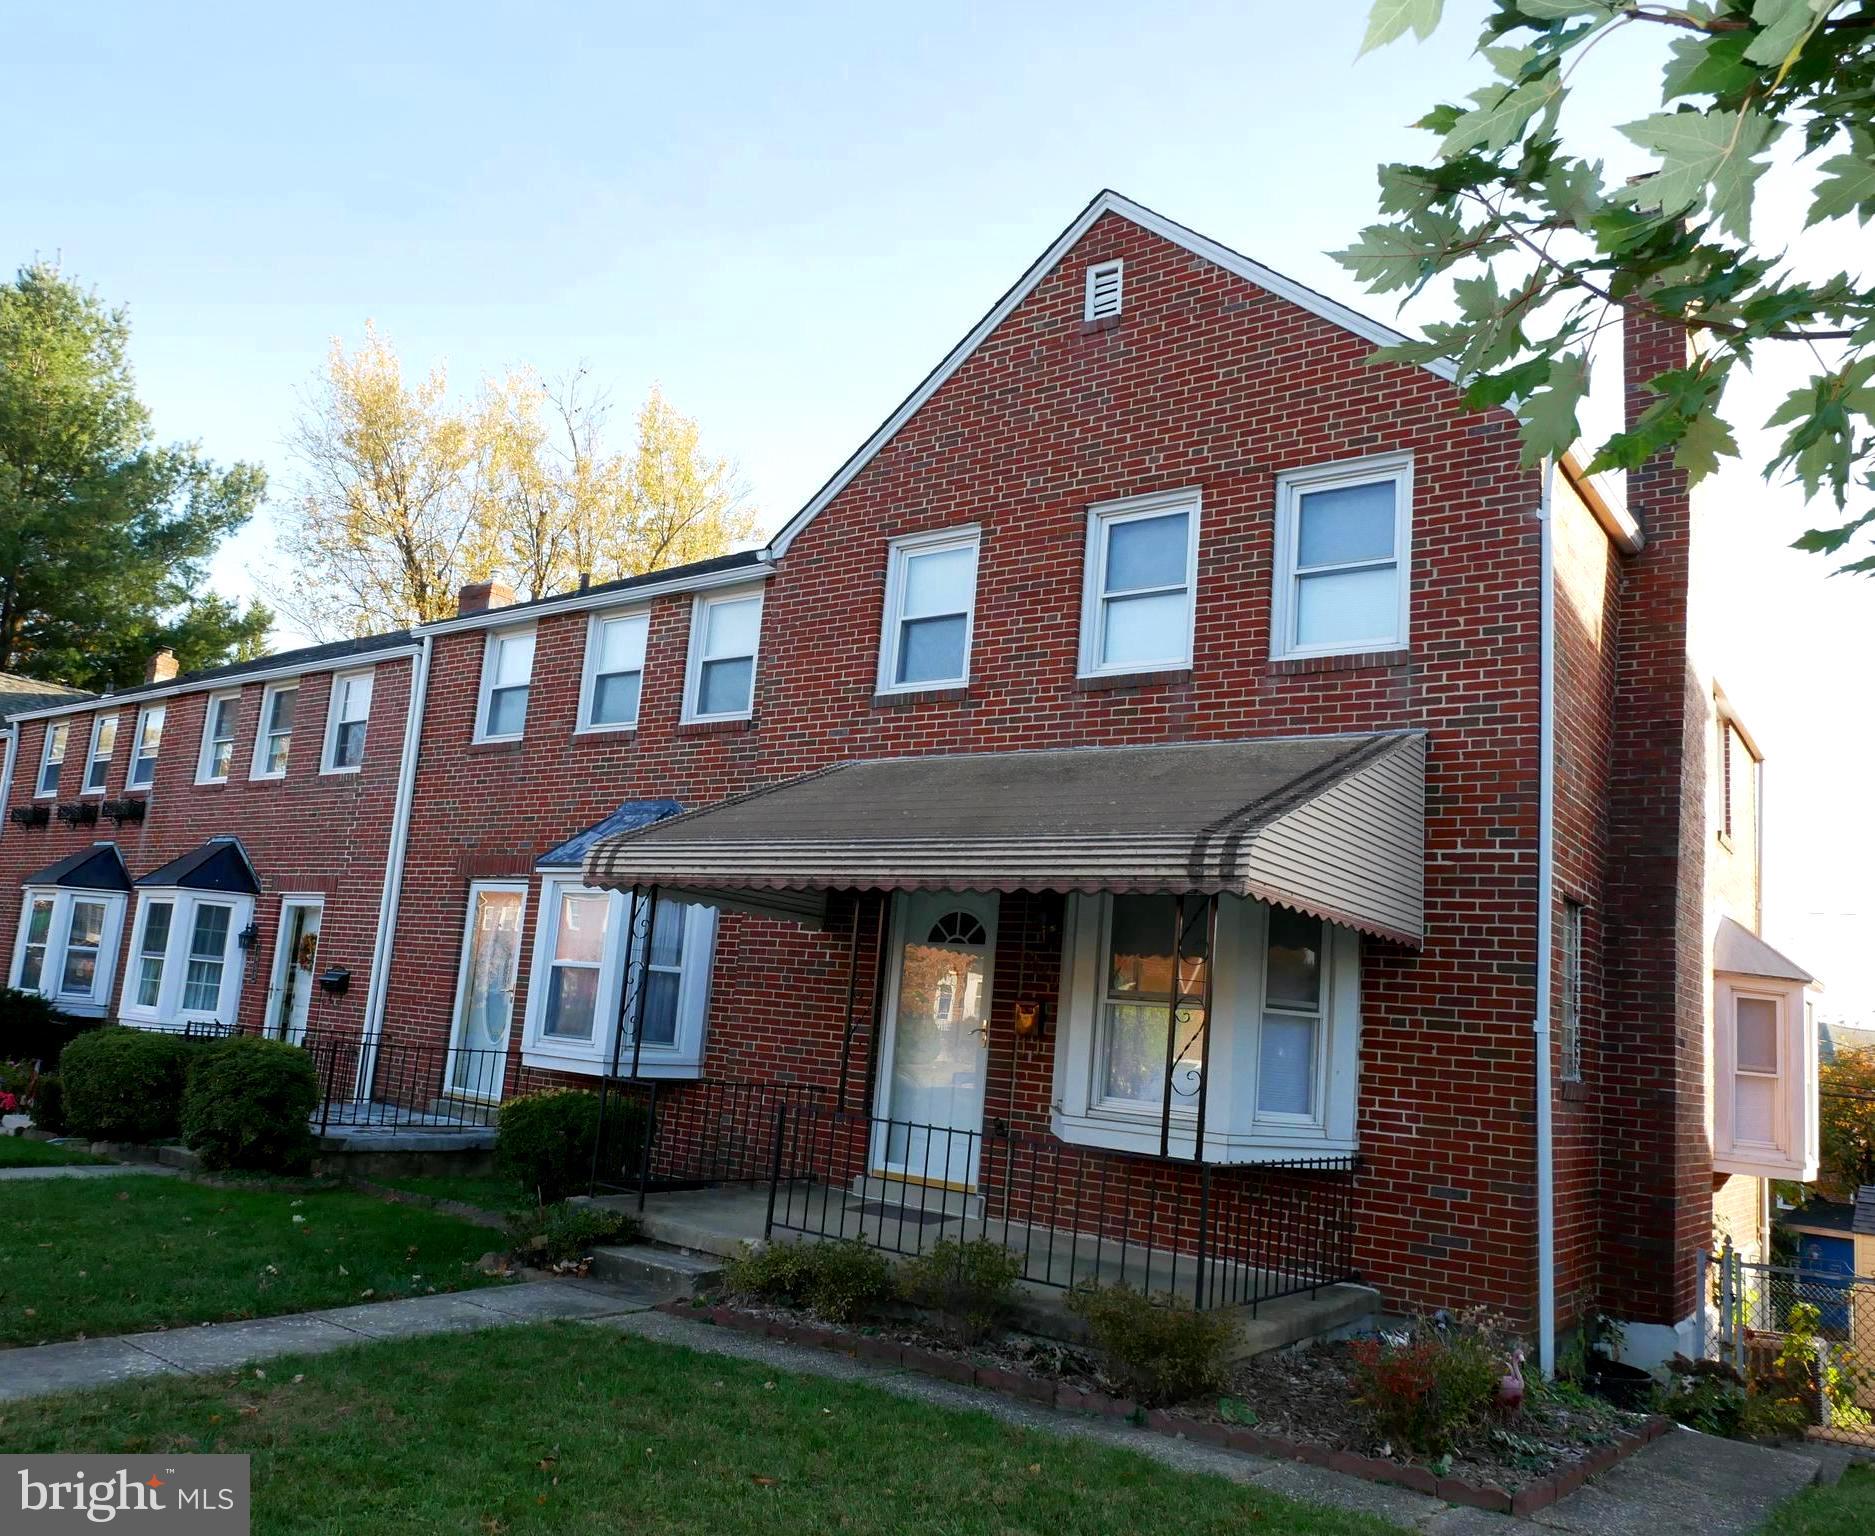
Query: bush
125	1084
544	1141
1160	1351
32	1030
837	1281
49	1104
968	1285
249	1104
1433	1388
560	1233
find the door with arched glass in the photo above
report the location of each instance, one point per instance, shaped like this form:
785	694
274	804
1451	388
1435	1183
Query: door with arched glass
936	1037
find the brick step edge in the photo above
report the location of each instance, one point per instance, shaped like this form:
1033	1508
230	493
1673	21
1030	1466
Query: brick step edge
1048	1392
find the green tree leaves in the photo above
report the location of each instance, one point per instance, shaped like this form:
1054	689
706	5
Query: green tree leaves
1848	184
1395	18
1705	157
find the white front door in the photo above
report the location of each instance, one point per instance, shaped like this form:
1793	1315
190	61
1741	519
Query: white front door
491	956
296	964
936	1037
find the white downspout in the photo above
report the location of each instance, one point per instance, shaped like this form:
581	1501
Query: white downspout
1545	922
9	744
394	869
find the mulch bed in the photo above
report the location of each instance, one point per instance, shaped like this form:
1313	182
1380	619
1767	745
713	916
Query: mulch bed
1294	1404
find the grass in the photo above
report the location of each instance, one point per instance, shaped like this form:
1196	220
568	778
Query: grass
1848	1507
570	1427
20	1152
117	1255
484	1191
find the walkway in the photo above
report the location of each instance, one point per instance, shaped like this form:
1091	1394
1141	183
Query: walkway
86	1171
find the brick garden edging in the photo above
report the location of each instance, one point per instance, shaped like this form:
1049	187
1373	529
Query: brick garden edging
1049	1393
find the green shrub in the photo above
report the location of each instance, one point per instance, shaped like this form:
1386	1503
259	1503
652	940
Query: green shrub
125	1084
544	1141
1159	1351
838	1281
249	1104
968	1285
32	1030
49	1104
559	1233
1433	1388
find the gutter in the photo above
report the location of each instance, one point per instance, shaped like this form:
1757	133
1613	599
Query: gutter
394	867
1545	937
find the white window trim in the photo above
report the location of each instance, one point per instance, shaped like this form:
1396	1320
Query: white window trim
681	1059
53	728
1290	488
1794	1152
1234	1130
136	744
589	671
204	754
273	1022
700	606
459	1008
98	1002
91	752
490	645
184	905
1101	515
1094	274
898	558
271	692
330	747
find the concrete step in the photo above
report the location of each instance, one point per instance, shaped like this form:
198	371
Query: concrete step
1332	1312
667	1272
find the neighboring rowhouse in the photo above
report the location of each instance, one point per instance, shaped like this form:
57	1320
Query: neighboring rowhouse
1249	988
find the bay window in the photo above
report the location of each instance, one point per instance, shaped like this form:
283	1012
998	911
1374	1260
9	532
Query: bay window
186	962
1140	584
1342	536
67	946
144	749
52	758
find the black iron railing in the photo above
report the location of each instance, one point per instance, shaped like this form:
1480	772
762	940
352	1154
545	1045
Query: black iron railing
690	1132
368	1082
1220	1235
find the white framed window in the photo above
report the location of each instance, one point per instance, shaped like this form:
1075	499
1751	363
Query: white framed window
577	987
612	682
67	946
1764	1060
273	742
1569	1015
218	728
507	675
52	758
185	958
725	638
347	715
1343	541
1138	601
98	759
1106	290
1285	1028
930	611
148	744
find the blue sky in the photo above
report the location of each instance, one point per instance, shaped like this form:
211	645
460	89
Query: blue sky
784	215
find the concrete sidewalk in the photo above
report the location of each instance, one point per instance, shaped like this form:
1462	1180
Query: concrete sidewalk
87	1171
46	1368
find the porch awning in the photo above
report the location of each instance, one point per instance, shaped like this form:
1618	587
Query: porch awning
1330	825
97	868
220	864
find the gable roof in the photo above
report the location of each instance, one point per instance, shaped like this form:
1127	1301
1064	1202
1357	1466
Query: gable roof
1106	202
97	868
1737	951
20	694
220	864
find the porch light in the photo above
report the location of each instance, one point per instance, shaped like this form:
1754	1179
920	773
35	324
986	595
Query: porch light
249	936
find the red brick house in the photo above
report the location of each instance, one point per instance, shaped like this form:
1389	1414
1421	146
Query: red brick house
1130	804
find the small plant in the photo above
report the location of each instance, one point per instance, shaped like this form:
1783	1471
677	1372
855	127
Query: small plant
49	1104
561	1233
967	1284
32	1030
840	1282
1433	1387
544	1141
125	1084
249	1105
1160	1350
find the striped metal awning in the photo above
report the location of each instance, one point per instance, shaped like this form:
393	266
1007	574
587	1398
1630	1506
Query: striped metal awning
1330	825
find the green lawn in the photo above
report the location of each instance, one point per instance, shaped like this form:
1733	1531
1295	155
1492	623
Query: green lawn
1844	1510
116	1255
486	1191
570	1427
20	1152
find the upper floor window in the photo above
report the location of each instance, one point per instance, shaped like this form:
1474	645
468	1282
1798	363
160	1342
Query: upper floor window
274	741
52	757
1141	581
67	946
1342	541
218	739
98	760
930	605
148	743
725	634
507	673
346	718
615	671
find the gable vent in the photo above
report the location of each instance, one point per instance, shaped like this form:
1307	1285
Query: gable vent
1103	290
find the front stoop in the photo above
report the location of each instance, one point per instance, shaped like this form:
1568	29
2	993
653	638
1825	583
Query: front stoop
670	1274
1333	1312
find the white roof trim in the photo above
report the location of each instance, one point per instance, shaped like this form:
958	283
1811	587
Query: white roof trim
597	598
1107	202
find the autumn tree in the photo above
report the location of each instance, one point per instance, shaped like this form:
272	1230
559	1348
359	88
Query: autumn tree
105	535
1846	1122
1544	250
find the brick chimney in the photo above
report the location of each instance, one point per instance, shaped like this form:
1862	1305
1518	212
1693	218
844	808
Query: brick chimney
480	596
162	667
